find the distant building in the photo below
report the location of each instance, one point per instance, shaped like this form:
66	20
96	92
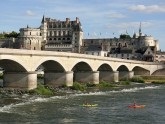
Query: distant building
53	35
139	47
62	35
30	38
160	56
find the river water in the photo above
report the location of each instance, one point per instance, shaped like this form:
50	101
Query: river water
112	107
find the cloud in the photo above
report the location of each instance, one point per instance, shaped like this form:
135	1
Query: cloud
30	13
125	25
148	9
116	15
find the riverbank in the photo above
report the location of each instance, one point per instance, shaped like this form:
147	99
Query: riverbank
83	87
154	79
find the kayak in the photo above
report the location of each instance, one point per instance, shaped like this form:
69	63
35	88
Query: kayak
136	106
89	105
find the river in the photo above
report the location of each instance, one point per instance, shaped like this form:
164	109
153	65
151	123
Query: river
112	107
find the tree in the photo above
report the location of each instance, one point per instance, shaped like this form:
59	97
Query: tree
12	34
125	36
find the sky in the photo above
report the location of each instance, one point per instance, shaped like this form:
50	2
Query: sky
99	18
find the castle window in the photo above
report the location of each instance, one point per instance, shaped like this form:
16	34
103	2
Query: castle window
68	38
55	33
54	38
91	41
59	33
50	33
50	38
148	52
125	45
119	45
122	55
30	33
63	32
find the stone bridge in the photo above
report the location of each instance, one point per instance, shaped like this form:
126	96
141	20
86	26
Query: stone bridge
61	68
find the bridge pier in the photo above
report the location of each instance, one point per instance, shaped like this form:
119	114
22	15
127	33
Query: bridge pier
23	80
109	76
126	74
85	77
56	79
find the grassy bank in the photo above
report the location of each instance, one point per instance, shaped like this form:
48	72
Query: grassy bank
154	79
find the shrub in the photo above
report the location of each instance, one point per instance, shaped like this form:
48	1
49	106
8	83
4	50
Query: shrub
137	79
158	82
41	90
125	82
78	86
105	84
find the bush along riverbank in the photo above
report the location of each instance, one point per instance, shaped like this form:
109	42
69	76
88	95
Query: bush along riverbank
154	79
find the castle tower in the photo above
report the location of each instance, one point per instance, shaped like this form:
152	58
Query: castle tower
44	30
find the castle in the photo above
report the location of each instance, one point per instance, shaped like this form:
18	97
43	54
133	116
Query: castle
67	36
53	35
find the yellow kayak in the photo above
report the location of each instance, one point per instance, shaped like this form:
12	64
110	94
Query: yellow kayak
89	105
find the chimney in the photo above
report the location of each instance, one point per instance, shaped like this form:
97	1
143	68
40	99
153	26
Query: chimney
77	20
67	20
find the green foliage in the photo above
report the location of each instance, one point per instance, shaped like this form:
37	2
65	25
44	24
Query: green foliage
125	36
158	82
137	79
12	34
40	76
2	36
41	90
90	85
1	75
105	84
126	82
78	86
153	77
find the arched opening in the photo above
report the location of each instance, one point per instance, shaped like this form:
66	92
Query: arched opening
140	71
81	67
160	72
9	66
123	72
81	72
105	73
50	73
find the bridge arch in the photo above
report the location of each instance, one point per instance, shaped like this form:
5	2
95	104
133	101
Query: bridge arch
82	72
105	67
51	66
140	71
159	72
12	66
105	73
81	67
123	72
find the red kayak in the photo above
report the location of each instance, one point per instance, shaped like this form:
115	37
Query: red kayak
136	106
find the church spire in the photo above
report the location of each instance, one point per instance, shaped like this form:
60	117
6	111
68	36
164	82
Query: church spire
43	19
140	30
